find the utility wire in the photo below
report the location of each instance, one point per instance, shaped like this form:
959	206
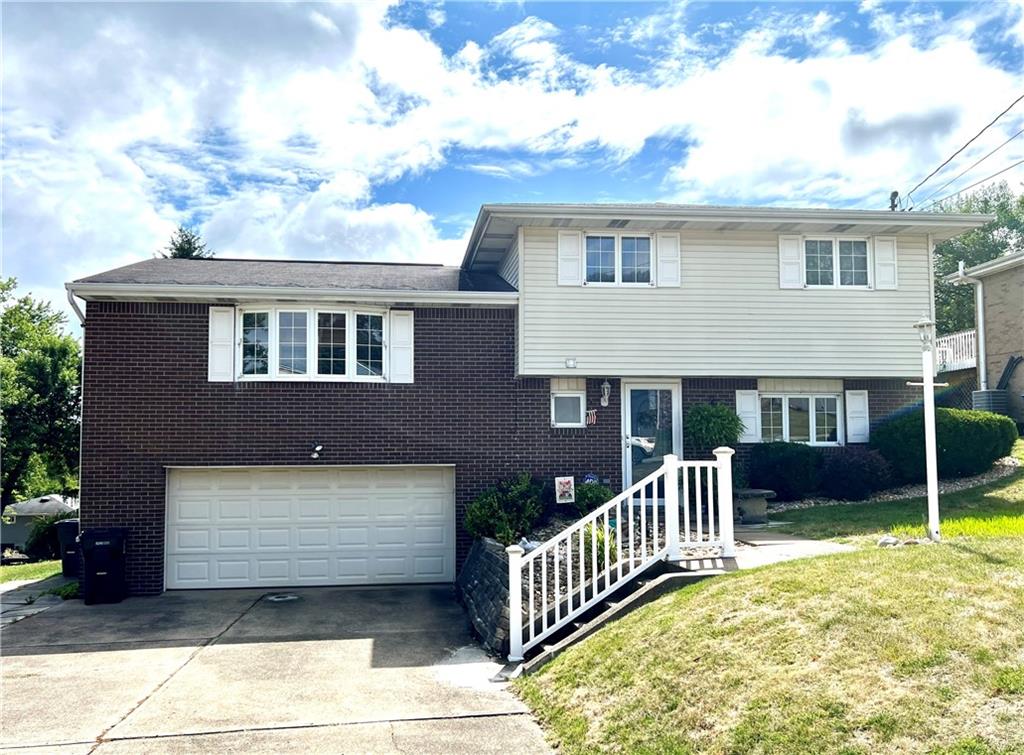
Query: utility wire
966	188
966	144
973	165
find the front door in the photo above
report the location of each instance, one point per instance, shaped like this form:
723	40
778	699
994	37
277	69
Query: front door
651	426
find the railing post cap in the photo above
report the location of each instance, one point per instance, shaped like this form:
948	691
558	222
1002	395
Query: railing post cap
669	458
723	451
515	549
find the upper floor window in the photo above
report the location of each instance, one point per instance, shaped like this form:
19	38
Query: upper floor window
612	258
600	259
280	343
824	257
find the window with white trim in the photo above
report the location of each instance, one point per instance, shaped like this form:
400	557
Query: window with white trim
813	419
617	259
568	408
282	343
836	262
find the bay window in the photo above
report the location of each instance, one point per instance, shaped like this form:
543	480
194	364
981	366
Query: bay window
812	419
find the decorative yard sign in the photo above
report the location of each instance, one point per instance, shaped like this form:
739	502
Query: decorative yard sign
565	489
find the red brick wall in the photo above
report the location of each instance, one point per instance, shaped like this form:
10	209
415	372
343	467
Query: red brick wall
148	404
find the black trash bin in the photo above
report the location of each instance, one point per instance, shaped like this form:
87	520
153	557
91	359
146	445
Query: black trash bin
103	564
67	536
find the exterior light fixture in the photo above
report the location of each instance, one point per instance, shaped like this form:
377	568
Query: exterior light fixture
316	451
571	363
606	392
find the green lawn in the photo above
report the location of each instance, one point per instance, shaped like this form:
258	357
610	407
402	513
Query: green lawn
916	649
38	570
993	510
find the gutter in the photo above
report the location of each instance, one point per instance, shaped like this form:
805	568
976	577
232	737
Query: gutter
961	279
177	291
74	306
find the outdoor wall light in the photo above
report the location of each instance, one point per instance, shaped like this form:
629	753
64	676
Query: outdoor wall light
571	363
316	451
606	392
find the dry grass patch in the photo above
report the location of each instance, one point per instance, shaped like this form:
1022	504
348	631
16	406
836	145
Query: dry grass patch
880	650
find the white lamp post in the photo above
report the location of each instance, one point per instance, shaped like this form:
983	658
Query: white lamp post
926	329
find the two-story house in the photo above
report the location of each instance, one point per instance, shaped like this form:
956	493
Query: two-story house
319	423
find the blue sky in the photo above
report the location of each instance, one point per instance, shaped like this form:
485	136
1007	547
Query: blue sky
375	131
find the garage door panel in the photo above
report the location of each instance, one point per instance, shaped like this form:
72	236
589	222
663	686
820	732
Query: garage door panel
259	527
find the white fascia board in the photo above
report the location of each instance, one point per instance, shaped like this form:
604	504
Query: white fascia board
992	266
186	292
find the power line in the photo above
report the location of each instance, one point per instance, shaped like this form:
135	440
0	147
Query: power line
965	146
974	165
976	183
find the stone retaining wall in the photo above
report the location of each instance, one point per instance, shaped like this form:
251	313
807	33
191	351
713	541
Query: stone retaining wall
482	588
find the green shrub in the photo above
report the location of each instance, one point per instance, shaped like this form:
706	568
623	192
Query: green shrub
590	495
709	426
506	512
790	469
854	473
42	542
64	592
968	442
603	535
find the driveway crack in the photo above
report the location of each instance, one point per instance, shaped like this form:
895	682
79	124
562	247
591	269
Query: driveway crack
209	642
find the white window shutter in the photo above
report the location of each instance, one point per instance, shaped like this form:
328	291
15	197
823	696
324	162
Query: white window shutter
791	262
400	351
221	366
748	409
570	258
668	253
885	262
857	419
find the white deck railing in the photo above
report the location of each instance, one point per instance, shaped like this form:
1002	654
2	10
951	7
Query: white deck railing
957	351
617	542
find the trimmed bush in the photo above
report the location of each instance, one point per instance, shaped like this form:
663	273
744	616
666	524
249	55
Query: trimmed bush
709	426
790	469
506	512
590	495
854	474
968	442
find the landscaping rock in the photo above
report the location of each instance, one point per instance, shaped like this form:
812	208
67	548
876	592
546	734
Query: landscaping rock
888	541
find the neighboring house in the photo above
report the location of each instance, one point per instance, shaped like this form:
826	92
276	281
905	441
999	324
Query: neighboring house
18	517
303	423
999	328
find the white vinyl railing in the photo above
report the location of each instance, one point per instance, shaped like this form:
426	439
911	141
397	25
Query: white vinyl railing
957	351
562	578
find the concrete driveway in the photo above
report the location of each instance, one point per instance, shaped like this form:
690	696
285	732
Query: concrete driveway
337	670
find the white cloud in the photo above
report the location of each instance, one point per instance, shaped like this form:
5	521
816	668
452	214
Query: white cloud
276	124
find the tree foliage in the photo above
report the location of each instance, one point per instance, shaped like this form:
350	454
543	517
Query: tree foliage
186	243
39	371
954	305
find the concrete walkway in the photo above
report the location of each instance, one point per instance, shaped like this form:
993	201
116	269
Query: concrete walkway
769	546
334	670
21	599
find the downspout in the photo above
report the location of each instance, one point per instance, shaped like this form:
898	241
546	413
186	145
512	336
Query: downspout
979	319
81	400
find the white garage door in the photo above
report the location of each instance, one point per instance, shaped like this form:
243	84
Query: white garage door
304	526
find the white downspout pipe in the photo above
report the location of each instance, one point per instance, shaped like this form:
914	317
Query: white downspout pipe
979	319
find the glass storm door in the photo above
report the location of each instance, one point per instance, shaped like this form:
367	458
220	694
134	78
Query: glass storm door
651	425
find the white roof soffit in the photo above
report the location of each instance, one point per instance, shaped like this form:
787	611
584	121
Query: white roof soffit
496	225
233	294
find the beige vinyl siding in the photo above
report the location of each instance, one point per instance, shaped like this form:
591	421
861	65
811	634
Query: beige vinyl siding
509	267
729	317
